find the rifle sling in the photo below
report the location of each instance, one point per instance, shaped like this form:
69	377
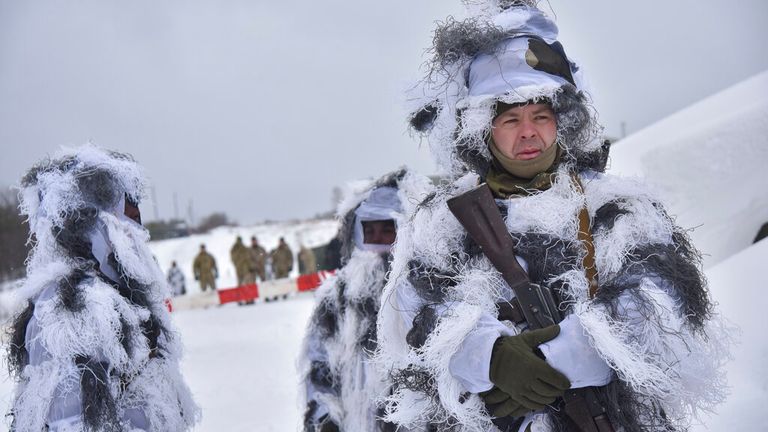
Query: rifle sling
586	239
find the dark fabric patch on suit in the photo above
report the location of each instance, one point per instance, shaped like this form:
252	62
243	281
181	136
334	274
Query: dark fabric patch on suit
548	256
99	409
326	318
126	334
473	159
138	294
424	118
455	40
131	289
423	325
73	237
415	379
606	216
341	299
309	414
321	376
69	291
676	265
575	128
550	59
430	283
18	356
101	188
367	309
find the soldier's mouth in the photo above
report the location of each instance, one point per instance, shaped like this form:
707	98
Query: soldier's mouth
528	154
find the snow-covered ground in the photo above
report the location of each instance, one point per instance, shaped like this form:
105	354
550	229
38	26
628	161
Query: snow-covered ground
709	162
740	285
241	364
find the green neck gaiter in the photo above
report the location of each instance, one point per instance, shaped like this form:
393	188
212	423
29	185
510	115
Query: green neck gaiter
507	177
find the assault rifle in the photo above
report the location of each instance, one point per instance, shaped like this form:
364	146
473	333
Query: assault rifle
477	212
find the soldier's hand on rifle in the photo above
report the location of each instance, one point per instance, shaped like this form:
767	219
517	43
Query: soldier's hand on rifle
499	404
517	371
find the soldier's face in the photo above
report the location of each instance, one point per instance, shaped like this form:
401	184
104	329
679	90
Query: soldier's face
379	232
132	212
524	132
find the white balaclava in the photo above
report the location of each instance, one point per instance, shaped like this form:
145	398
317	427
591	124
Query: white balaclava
382	203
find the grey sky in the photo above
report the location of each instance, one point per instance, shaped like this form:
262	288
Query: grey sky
259	108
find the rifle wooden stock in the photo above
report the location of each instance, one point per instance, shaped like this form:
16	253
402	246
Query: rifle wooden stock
477	212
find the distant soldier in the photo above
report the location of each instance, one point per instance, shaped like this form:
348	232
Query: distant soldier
282	260
241	260
176	280
204	268
258	257
307	261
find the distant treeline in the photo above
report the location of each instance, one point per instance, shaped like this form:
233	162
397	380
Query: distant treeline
14	232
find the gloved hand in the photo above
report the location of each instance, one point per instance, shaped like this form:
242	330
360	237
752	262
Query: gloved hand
499	404
517	371
197	277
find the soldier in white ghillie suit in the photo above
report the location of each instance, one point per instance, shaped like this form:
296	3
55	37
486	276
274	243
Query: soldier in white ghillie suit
344	390
176	280
94	348
502	104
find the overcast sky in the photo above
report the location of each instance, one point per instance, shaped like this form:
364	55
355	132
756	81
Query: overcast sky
259	108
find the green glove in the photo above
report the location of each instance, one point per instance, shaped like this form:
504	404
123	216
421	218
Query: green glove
499	404
517	371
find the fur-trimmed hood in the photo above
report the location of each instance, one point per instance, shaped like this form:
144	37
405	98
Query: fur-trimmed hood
454	113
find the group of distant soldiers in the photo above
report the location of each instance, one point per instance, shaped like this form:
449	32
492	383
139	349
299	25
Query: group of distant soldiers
249	262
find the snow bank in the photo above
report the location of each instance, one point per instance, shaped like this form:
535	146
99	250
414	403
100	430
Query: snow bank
708	161
740	285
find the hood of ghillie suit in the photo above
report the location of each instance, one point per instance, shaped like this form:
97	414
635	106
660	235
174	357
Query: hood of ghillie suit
393	195
506	51
75	206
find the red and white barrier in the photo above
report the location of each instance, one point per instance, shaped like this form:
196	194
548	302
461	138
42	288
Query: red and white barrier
266	290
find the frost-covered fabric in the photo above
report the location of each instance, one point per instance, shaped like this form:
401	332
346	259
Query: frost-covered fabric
651	322
341	383
94	348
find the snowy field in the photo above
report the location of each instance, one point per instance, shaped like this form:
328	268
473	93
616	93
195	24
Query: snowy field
241	364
